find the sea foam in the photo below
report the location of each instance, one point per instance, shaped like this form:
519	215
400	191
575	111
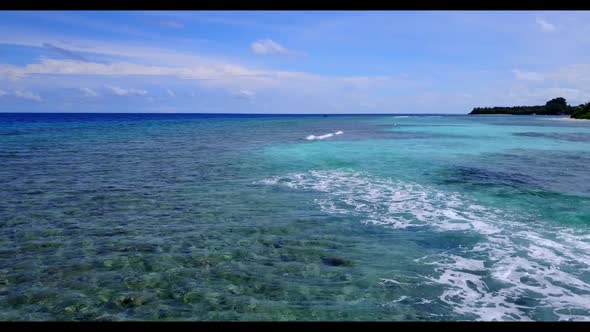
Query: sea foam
535	267
320	137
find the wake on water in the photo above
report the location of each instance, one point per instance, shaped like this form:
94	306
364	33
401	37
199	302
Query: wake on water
545	263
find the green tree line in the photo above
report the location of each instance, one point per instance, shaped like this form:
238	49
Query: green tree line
556	106
582	111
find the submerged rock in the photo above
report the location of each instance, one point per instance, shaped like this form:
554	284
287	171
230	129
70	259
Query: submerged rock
287	258
129	301
335	261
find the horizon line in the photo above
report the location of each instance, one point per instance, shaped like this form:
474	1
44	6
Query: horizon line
227	113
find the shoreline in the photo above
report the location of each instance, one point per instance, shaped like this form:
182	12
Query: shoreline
493	114
563	118
571	119
567	119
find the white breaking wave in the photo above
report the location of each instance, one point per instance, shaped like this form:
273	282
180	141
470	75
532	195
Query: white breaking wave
313	137
548	264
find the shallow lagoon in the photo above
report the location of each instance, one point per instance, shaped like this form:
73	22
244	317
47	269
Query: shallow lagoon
195	217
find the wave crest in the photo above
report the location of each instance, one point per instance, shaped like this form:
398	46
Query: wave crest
320	137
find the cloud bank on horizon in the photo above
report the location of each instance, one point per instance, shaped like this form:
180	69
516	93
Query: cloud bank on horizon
290	62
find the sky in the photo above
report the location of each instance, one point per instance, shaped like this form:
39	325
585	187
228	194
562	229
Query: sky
291	61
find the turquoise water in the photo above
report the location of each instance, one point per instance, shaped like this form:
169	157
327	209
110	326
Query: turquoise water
197	217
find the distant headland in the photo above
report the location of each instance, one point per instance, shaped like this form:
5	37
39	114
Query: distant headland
556	106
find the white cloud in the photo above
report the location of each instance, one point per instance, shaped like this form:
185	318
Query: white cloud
171	24
574	75
527	75
154	55
125	92
87	92
570	81
245	94
222	75
294	87
24	94
226	76
568	93
64	52
578	74
267	46
70	67
170	93
526	95
545	26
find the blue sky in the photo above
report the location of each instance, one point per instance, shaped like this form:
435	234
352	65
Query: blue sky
291	62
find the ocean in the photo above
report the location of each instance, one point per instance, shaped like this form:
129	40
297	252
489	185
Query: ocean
194	217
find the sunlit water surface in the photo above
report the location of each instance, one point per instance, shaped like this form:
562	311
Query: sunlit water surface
199	217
